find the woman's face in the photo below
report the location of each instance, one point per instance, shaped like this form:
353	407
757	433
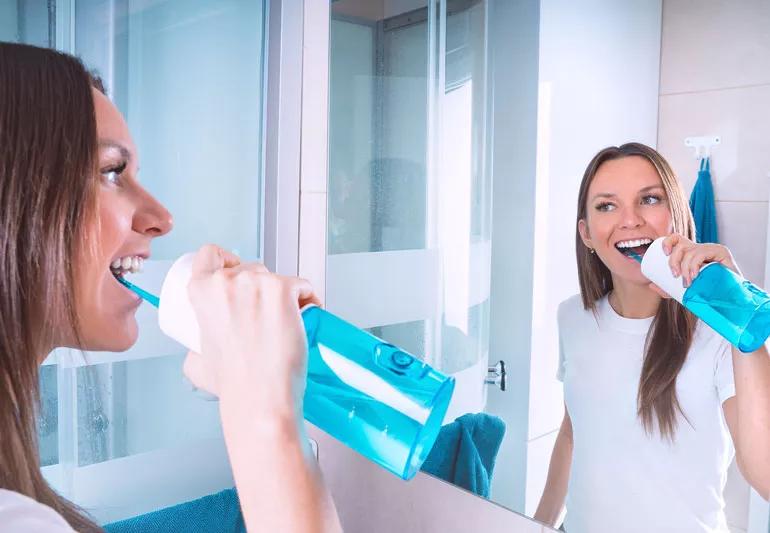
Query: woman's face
626	203
127	220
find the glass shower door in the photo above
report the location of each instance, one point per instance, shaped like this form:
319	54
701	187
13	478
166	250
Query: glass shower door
122	433
409	202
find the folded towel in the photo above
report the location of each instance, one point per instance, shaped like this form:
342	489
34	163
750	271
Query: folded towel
216	513
465	451
702	205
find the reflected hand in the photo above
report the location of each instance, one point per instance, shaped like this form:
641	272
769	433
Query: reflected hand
686	257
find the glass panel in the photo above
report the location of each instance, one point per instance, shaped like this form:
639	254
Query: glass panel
27	22
408	152
188	76
377	131
133	407
48	417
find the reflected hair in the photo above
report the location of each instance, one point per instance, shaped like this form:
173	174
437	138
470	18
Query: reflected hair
670	335
48	195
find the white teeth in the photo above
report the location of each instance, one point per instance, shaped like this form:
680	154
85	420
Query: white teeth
633	243
131	264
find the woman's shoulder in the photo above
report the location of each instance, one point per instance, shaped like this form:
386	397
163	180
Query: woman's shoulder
25	515
572	307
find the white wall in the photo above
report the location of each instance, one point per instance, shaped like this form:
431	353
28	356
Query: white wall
715	79
514	45
598	86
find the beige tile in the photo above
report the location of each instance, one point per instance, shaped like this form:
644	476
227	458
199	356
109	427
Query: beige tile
713	44
743	229
741	117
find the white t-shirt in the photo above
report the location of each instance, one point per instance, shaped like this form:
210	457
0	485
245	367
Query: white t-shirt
21	514
622	479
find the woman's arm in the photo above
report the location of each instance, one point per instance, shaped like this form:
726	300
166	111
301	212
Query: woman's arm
279	484
747	413
748	416
549	511
254	358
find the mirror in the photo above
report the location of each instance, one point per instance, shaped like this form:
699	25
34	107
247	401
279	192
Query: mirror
459	131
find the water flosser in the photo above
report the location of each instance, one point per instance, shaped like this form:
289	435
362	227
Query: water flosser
379	400
734	307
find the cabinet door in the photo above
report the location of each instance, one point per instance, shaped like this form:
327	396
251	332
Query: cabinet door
409	201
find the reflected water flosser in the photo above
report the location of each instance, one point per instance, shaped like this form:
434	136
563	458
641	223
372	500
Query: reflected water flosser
735	308
372	396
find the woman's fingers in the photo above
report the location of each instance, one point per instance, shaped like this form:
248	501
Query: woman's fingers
670	241
302	292
679	245
211	258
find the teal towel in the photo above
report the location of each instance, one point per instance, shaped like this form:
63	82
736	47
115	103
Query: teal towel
465	451
702	205
216	513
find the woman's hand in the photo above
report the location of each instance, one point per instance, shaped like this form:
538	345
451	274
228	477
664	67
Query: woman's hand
686	257
254	358
252	336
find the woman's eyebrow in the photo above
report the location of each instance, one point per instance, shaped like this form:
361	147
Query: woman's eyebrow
124	152
613	195
603	195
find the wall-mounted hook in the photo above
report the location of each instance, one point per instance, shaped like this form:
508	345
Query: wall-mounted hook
702	145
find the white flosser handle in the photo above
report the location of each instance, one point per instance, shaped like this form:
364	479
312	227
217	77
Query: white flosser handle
655	268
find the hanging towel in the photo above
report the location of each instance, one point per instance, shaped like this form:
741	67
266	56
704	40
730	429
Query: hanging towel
702	205
465	451
216	513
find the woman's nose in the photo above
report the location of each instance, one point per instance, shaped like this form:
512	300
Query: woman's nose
151	218
631	218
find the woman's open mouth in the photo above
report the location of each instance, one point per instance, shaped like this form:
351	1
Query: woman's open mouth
633	247
128	264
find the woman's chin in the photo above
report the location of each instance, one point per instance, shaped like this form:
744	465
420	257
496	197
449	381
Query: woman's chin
118	338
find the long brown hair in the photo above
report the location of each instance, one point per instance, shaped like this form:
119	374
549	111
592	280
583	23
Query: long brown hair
671	332
48	160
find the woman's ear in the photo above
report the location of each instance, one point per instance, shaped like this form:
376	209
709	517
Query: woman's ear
583	230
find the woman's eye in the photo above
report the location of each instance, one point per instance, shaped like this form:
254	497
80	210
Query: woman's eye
112	174
651	199
605	206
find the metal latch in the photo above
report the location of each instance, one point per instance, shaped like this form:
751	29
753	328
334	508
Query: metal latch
496	375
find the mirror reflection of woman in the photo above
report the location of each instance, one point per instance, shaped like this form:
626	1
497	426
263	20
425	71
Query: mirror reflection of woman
656	403
71	205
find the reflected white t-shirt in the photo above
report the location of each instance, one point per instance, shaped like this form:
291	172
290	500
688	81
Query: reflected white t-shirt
622	479
21	514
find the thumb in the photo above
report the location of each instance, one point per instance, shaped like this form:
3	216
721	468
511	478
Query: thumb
200	374
211	258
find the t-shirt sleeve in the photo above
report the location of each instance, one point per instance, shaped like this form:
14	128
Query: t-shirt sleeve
562	361
723	372
25	515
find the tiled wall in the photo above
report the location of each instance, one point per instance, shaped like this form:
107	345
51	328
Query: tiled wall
715	80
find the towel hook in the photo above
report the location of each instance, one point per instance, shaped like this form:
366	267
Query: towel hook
703	144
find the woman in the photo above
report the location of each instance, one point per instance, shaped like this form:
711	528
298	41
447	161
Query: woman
656	403
70	207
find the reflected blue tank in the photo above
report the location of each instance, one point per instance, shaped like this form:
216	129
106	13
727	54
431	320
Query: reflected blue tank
734	307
